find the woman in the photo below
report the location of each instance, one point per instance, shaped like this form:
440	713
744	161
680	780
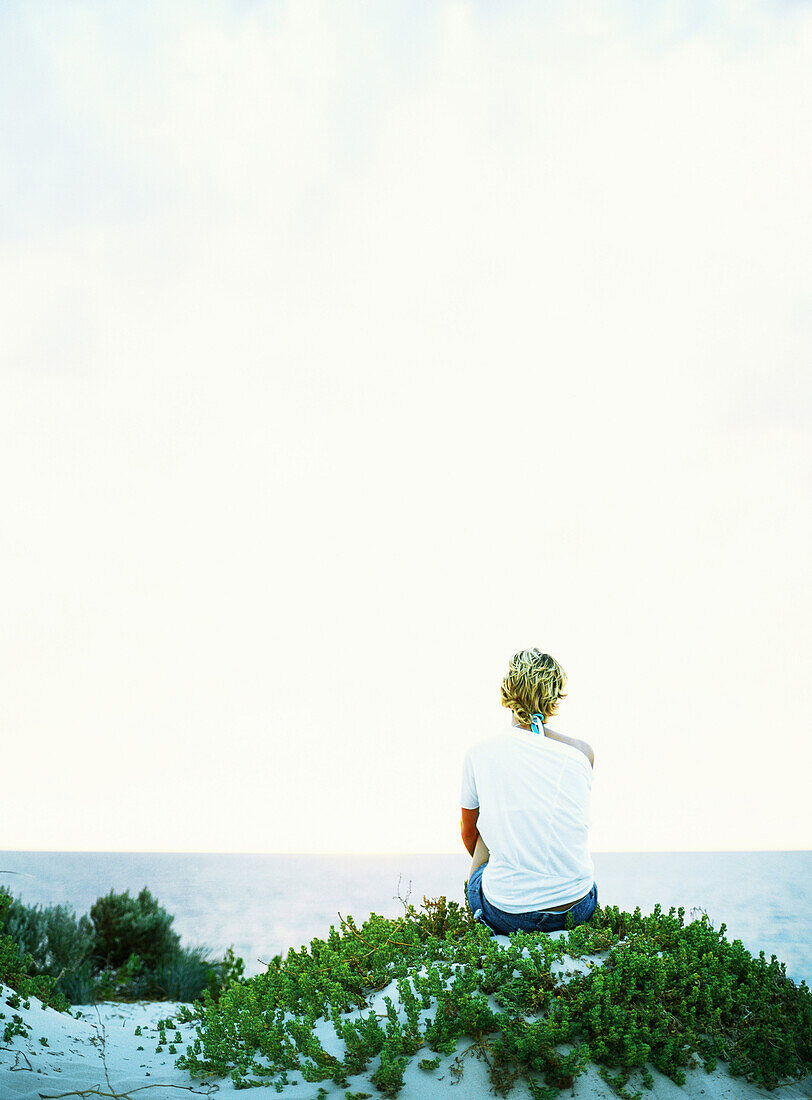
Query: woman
525	811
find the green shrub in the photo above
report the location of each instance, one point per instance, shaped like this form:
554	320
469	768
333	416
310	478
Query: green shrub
16	966
58	943
26	926
667	996
182	976
126	926
129	982
223	974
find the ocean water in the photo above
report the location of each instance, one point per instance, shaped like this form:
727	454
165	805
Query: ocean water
264	904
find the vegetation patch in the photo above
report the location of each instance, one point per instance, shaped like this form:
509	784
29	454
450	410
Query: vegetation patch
436	987
124	950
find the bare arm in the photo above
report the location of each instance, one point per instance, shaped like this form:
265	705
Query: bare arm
468	829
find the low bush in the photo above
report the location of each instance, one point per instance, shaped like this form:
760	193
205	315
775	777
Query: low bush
17	969
59	945
667	995
126	926
182	976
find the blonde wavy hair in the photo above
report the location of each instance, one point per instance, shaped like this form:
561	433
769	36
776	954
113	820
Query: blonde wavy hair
533	685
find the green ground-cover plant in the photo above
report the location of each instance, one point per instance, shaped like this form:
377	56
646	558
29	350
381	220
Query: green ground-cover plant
124	951
668	995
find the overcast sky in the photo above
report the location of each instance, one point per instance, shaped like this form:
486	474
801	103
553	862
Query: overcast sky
348	348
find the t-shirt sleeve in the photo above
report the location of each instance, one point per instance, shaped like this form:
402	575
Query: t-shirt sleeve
469	800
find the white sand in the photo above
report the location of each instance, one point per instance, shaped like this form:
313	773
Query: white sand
97	1054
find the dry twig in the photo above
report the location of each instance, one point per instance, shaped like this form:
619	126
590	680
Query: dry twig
17	1053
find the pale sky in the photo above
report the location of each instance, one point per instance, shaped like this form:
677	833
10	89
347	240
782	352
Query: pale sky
347	348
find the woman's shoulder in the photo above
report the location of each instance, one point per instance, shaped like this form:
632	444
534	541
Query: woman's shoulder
582	746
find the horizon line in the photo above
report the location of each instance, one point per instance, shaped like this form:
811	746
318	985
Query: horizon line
367	852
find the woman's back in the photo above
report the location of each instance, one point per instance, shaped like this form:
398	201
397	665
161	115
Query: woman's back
533	794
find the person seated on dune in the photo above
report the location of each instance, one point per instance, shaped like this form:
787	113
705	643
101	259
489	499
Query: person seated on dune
525	811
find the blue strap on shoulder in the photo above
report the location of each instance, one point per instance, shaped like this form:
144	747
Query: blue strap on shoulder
537	723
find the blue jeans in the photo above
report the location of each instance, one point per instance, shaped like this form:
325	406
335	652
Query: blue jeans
540	920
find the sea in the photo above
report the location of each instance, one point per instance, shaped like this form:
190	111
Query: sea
264	904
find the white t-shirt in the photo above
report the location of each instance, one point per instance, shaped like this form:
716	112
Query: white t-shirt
533	795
